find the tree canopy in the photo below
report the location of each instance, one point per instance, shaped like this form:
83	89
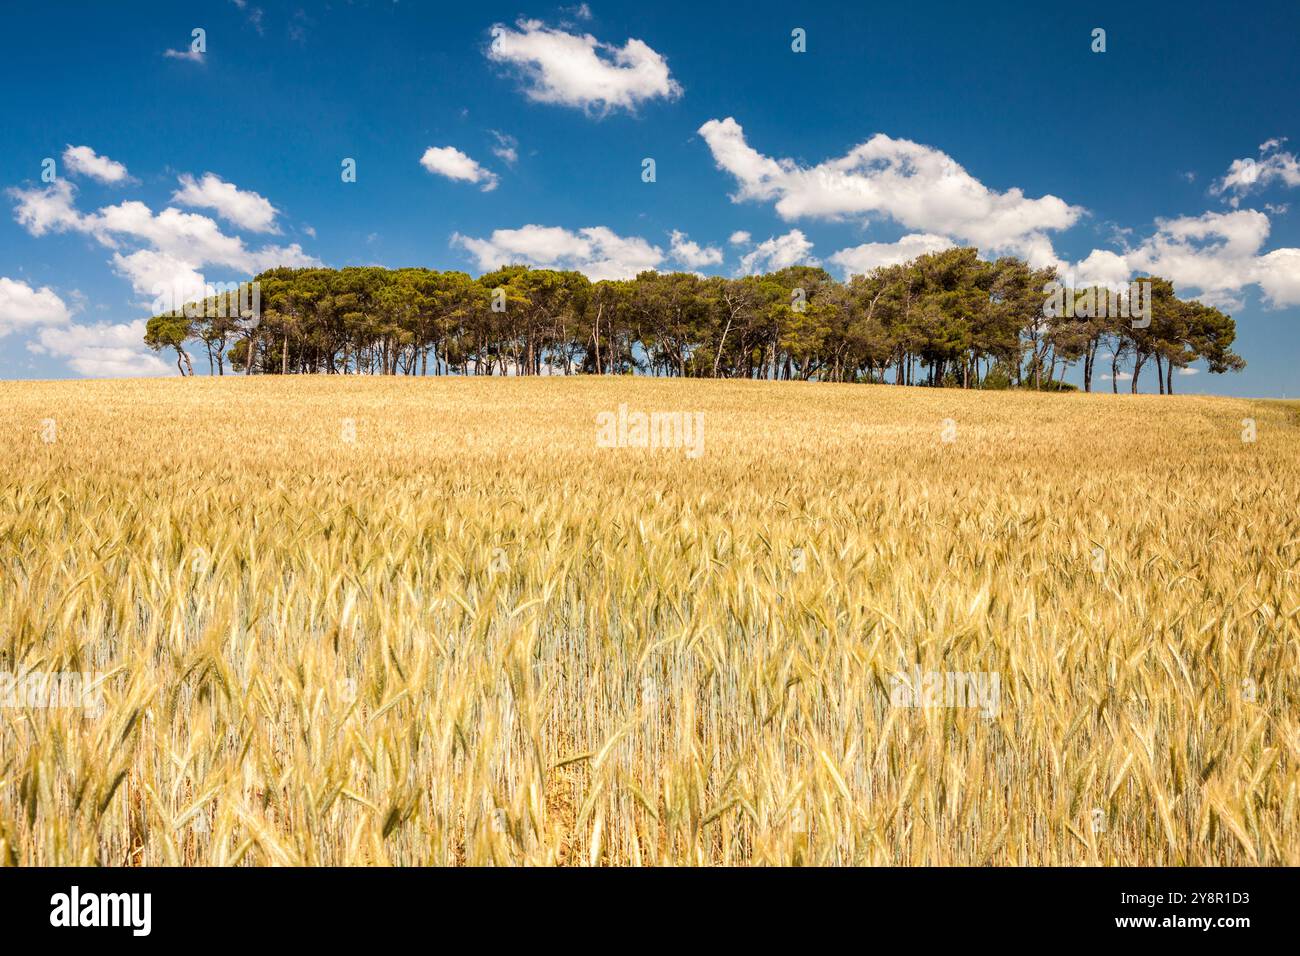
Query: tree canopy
944	319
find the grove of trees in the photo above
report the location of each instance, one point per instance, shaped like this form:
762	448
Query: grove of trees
944	319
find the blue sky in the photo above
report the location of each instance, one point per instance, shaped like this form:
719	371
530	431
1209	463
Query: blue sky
993	125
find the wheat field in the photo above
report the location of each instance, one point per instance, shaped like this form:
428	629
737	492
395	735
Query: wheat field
368	621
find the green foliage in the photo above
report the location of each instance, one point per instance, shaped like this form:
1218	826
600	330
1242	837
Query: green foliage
947	318
998	379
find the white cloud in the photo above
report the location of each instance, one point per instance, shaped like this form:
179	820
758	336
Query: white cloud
580	71
22	306
1216	254
46	210
1188	371
692	254
159	273
160	254
189	237
86	162
102	350
917	186
1248	175
596	251
193	56
860	260
1101	267
778	252
1278	275
739	238
450	162
171	245
244	208
506	148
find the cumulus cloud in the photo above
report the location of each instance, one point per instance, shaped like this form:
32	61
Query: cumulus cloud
189	238
1278	275
102	350
860	260
580	71
778	252
692	254
450	162
1214	253
84	161
1249	175
917	186
161	274
739	238
596	251
46	210
1101	267
1217	254
21	306
244	208
160	253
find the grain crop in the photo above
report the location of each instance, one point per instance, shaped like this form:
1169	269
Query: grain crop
356	620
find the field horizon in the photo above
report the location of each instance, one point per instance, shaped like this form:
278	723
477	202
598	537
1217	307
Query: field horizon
585	376
355	620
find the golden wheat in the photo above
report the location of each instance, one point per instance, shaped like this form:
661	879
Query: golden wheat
473	636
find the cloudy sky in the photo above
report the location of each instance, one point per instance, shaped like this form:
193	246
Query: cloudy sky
138	159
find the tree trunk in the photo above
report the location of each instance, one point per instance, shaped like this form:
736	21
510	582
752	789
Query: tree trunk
1138	362
721	342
